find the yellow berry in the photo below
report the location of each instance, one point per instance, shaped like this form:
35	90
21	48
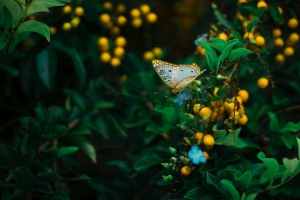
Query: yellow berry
280	58
67	9
219	110
103	41
151	18
185	171
238	99
249	35
200	50
204	112
276	32
135	13
260	40
31	17
196	108
136	22
216	103
261	4
121	20
208	140
148	56
115	62
199	135
205	154
223	36
115	30
79	11
293	38
245	23
244	95
278	42
119	52
145	8
66	26
234	115
75	22
157	51
288	51
104	18
121	8
293	23
105	57
228	106
107	5
262	82
242	1
120	41
53	30
280	10
243	119
123	77
216	89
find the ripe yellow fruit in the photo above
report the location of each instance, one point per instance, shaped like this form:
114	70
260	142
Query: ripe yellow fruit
260	40
288	51
115	62
185	171
120	41
200	50
103	41
223	36
228	106
104	18
243	119
276	32
196	108
238	99
124	78
79	11
135	13
136	22
75	22
293	23
145	8
280	10
249	35
208	140
67	9
262	4
245	23
115	30
219	110
53	30
216	89
157	51
242	1
216	103
151	18
204	112
119	52
244	95
262	82
280	58
205	154
293	38
199	135
107	5
66	26
278	42
148	56
105	57
121	20
121	8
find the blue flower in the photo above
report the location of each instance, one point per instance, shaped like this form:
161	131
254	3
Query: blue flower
202	37
196	155
184	95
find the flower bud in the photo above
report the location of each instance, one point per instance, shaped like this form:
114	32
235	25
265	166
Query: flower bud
220	77
172	150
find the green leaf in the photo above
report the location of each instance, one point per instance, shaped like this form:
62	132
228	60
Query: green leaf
49	3
13	71
271	164
119	124
298	142
35	7
9	154
3	42
104	104
218	133
84	144
287	139
245	180
237	53
286	174
257	12
207	47
15	10
23	178
17	194
221	17
168	113
59	195
46	62
64	151
237	35
274	124
274	12
34	26
290	164
209	59
253	23
195	193
230	187
291	126
146	162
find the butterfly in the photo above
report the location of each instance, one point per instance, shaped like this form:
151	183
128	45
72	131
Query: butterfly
176	76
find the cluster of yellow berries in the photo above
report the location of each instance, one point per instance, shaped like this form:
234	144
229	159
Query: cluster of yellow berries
143	12
75	21
118	51
156	52
216	111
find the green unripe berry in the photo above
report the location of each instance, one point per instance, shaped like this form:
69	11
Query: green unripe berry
172	150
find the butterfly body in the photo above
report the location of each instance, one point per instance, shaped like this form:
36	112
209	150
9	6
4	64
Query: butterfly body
176	76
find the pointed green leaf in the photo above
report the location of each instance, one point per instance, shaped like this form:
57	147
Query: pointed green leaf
230	187
34	26
15	10
271	164
237	53
49	3
237	35
286	174
64	151
290	164
274	123
274	12
35	7
84	144
209	59
253	23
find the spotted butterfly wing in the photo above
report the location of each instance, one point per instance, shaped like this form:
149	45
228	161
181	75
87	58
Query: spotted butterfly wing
176	76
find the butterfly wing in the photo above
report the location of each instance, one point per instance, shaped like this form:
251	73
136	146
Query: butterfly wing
185	75
166	71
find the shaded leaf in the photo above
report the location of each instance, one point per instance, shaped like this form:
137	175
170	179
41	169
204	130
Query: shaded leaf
34	26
